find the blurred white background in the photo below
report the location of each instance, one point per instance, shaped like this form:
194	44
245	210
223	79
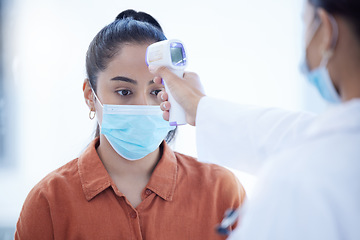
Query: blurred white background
244	51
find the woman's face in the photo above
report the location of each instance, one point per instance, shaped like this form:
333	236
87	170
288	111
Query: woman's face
127	80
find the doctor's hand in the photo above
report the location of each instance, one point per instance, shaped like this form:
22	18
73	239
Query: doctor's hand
187	92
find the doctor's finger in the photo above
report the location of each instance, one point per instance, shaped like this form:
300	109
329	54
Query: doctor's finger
166	115
165	106
157	80
162	96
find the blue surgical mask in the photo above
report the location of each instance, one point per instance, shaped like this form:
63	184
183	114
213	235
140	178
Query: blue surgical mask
320	77
133	131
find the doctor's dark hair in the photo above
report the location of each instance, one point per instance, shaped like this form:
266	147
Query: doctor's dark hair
128	27
348	9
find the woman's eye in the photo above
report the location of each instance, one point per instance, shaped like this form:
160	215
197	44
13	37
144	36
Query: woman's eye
156	92
124	92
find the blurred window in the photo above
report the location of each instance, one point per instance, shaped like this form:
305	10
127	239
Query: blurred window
2	92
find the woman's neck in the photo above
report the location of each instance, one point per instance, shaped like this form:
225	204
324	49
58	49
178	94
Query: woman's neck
117	166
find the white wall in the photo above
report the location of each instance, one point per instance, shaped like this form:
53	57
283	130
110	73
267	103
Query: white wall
244	51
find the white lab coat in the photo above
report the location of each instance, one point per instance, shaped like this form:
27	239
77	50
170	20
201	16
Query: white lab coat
308	167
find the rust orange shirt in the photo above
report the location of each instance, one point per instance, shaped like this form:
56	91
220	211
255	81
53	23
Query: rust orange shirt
184	199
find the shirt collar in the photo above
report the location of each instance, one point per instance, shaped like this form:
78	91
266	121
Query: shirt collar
93	175
95	179
163	178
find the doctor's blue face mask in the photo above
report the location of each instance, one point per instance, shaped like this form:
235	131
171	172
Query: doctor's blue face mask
320	77
133	131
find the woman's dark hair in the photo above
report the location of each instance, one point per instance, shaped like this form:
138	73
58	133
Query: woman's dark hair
349	9
128	27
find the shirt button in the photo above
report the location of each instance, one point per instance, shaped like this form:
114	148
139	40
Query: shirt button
148	192
133	215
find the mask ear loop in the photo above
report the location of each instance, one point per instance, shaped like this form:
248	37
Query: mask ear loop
313	30
96	97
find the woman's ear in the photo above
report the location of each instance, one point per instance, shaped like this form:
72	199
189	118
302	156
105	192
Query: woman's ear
326	30
88	95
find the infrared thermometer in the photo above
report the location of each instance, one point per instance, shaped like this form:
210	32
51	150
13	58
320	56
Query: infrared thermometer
170	54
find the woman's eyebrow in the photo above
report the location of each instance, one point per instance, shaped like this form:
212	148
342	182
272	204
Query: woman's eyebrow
124	79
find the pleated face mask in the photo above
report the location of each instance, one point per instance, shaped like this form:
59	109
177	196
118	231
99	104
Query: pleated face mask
133	131
320	77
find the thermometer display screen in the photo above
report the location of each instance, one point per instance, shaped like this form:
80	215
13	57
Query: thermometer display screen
177	52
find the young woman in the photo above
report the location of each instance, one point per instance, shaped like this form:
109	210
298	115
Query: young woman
128	183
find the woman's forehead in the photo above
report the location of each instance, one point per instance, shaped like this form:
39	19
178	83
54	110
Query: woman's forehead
129	56
129	62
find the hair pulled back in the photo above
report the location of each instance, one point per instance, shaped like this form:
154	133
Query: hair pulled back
128	27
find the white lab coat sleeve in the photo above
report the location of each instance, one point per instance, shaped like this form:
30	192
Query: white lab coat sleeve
242	136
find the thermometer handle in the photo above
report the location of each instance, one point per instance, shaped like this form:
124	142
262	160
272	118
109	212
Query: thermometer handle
177	113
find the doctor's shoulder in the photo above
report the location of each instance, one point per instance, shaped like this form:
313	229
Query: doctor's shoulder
211	181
